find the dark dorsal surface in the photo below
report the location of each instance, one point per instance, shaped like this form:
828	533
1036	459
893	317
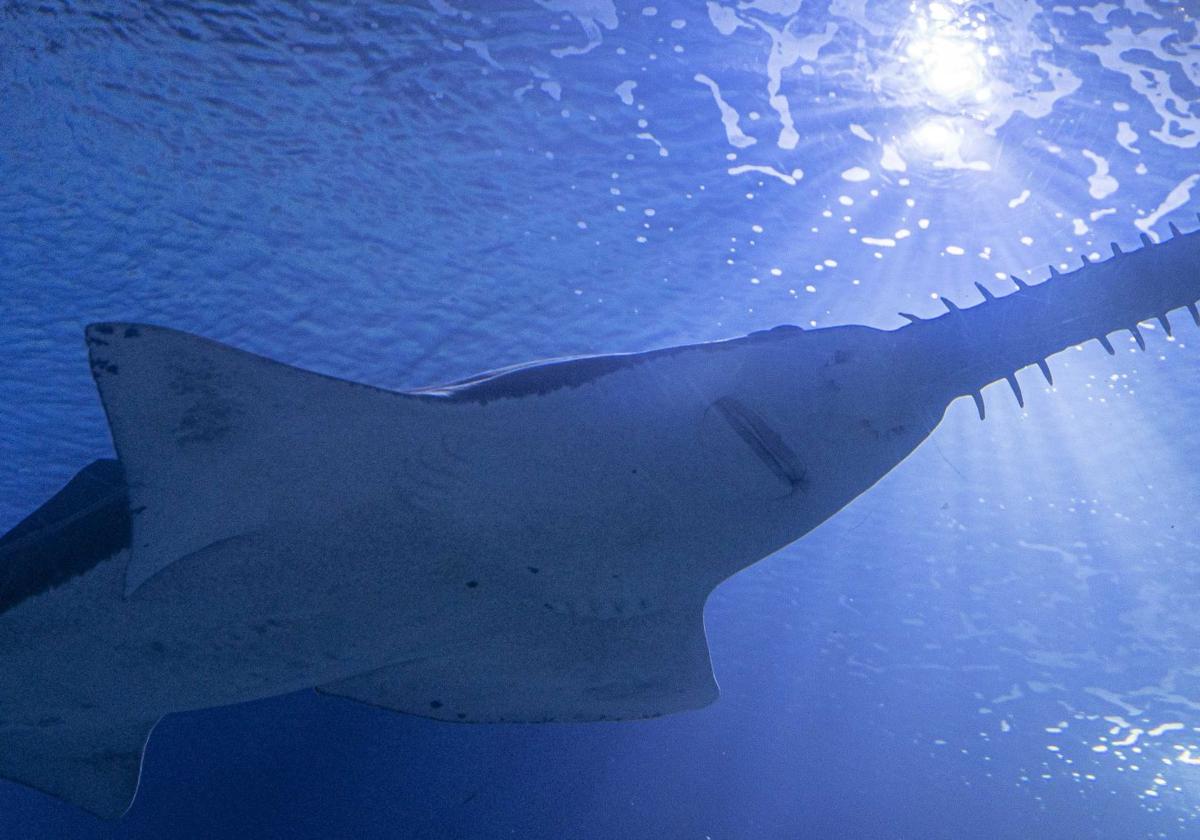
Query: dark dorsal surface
82	524
542	377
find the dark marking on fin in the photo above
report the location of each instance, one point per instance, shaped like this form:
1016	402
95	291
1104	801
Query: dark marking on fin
82	525
764	441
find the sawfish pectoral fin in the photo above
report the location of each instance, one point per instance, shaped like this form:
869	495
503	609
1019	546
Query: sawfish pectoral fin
93	763
215	441
587	669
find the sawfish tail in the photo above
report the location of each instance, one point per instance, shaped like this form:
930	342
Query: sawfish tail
969	348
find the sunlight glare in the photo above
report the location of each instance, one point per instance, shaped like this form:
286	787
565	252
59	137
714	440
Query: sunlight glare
951	67
936	137
949	53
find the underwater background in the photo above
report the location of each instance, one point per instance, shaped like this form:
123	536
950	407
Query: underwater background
1000	640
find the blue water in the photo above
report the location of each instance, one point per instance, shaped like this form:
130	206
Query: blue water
998	641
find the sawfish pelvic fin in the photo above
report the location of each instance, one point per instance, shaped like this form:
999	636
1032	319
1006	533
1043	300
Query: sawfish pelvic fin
974	346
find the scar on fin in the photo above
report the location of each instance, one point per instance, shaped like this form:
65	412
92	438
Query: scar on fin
764	441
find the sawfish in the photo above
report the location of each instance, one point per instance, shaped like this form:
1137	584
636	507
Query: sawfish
530	544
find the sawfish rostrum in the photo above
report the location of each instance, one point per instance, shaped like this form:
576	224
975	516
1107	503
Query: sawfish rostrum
531	544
